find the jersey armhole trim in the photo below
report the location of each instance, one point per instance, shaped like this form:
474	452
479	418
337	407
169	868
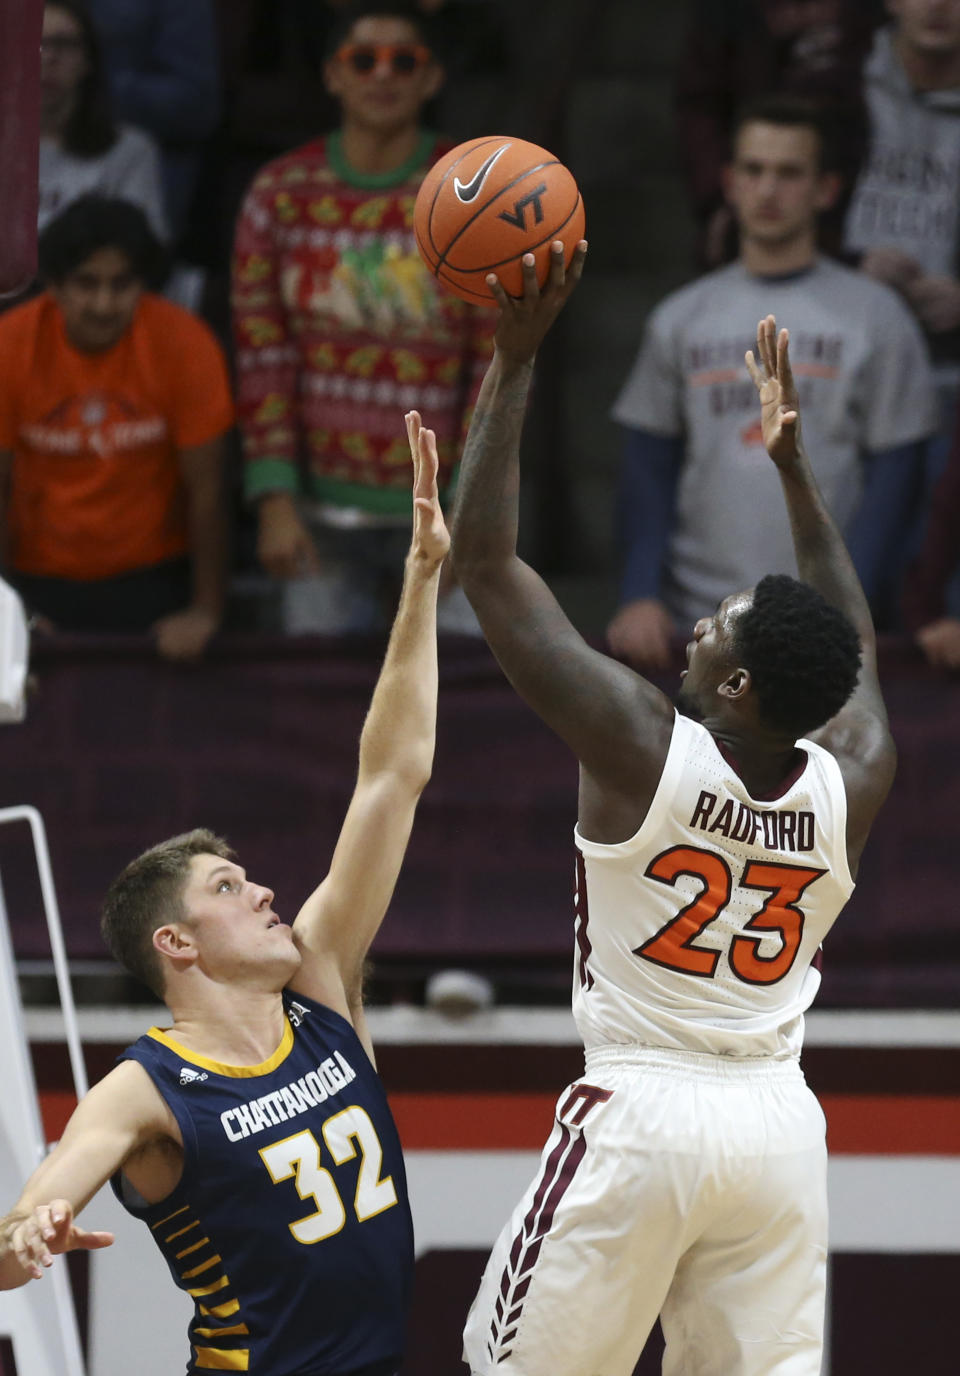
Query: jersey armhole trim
838	792
683	732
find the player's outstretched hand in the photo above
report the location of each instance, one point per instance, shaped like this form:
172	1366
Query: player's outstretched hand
431	539
779	402
525	320
46	1232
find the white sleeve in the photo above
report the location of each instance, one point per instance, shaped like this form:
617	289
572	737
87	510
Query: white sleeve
898	399
652	396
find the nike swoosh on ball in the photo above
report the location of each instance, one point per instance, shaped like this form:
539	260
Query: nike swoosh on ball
471	190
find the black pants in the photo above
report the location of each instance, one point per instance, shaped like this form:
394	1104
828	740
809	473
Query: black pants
130	602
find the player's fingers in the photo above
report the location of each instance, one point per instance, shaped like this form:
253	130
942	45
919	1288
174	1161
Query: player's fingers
788	420
763	343
531	287
557	276
575	270
90	1241
429	463
497	291
753	370
412	421
783	359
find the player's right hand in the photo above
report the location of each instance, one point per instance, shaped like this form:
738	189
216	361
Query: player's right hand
641	633
285	546
47	1231
779	400
525	320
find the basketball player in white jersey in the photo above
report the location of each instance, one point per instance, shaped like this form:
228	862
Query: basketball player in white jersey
716	844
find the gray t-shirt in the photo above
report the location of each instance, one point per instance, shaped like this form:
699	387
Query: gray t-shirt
907	195
865	385
130	169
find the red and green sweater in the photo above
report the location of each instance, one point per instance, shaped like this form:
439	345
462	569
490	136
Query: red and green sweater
340	329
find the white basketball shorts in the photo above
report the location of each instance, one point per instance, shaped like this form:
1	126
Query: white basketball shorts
682	1185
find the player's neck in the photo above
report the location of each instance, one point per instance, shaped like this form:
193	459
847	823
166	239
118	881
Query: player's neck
230	1024
778	260
374	150
761	759
928	71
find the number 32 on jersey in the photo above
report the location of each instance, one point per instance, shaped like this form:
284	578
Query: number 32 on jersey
299	1156
674	945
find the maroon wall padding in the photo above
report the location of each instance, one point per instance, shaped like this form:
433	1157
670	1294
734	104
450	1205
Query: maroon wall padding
20	26
260	742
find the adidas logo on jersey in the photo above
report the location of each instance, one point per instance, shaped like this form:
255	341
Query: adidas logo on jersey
191	1077
296	1013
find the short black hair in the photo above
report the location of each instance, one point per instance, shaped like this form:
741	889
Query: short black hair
792	112
406	10
92	223
91	130
803	654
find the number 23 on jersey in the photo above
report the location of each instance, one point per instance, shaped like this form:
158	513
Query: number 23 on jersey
675	947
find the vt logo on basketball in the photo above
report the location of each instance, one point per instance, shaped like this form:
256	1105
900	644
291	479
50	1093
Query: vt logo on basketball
472	189
518	216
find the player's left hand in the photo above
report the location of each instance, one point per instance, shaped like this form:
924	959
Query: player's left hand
184	635
524	322
431	539
779	402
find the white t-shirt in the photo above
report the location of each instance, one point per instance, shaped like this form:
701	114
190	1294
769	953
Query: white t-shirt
130	170
865	385
907	195
699	933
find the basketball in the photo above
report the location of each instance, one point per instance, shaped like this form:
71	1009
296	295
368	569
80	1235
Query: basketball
485	205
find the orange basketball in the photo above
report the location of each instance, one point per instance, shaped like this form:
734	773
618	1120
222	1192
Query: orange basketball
485	205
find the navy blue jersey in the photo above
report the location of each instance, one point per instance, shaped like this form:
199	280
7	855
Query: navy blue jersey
290	1226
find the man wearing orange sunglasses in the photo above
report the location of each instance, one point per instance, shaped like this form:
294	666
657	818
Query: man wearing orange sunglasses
336	321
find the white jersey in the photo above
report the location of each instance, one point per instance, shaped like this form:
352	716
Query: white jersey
700	933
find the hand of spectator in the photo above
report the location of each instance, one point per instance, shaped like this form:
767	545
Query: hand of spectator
285	546
940	642
641	633
936	301
184	635
891	266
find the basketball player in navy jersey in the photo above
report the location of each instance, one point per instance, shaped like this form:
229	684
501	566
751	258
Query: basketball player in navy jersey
253	1135
686	1172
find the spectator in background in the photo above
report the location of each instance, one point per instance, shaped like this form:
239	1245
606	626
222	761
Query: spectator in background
338	325
162	61
694	462
113	407
932	600
904	218
738	50
82	149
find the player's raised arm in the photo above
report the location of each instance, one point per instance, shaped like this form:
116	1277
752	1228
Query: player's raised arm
605	712
338	922
859	734
120	1114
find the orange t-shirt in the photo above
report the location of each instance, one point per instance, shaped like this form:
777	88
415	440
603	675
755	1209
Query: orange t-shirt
96	488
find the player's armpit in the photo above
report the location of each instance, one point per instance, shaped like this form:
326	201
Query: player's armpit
859	739
119	1114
